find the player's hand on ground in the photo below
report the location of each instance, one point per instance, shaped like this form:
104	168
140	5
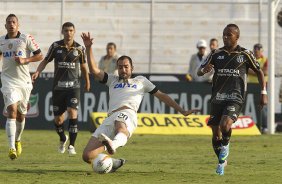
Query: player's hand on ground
192	111
87	40
34	76
20	60
208	68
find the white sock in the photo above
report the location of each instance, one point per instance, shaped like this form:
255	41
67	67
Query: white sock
119	140
11	132
19	129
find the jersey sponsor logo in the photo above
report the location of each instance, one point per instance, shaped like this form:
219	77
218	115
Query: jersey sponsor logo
65	84
66	65
12	54
124	85
220	57
228	72
240	59
59	51
33	42
225	96
231	108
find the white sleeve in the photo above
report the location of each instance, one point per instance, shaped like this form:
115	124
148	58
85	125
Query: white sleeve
111	79
31	43
148	85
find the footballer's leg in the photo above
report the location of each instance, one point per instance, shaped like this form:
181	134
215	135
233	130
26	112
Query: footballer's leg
11	130
225	126
92	149
20	124
216	139
59	124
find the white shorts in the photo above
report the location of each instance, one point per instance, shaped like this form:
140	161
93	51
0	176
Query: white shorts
128	116
19	95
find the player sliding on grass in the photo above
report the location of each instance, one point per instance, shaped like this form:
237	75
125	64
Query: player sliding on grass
230	64
126	94
15	48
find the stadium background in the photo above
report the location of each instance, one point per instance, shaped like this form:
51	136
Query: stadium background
159	35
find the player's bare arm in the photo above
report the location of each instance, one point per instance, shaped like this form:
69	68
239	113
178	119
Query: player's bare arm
39	69
208	68
263	98
170	102
93	68
34	58
84	72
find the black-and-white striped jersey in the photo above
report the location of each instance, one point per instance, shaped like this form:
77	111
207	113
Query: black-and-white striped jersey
230	78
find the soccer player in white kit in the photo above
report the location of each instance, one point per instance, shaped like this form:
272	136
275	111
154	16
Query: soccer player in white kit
15	50
126	94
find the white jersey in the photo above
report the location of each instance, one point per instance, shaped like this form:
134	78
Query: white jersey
127	94
15	74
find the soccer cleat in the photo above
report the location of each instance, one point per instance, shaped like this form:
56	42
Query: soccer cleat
106	141
71	150
18	146
220	168
224	152
12	154
117	163
62	145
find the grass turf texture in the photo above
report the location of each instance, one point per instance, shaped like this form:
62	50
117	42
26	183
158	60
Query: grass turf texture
150	159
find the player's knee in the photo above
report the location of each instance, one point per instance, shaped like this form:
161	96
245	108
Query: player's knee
88	156
73	128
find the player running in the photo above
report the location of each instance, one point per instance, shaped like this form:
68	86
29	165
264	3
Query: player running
126	94
15	49
229	85
68	56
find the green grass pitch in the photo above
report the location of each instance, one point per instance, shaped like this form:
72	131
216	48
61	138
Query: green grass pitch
151	159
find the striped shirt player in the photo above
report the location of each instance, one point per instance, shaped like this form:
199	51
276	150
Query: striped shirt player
126	94
229	85
17	50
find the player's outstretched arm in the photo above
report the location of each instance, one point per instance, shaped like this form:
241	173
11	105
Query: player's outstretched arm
39	69
170	102
88	42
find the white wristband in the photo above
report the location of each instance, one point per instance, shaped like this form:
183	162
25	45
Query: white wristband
263	92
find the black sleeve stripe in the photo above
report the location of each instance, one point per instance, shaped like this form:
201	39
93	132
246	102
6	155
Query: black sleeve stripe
154	91
105	79
253	62
36	52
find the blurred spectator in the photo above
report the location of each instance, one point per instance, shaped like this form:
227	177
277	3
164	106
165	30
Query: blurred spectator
195	62
252	78
108	63
213	44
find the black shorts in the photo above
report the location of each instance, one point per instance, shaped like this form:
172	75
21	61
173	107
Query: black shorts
62	99
230	109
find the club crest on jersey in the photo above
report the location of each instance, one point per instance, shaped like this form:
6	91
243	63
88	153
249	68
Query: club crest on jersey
10	46
75	53
124	85
240	59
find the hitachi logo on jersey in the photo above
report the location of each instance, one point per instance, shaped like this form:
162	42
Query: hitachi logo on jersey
66	65
12	54
229	71
123	85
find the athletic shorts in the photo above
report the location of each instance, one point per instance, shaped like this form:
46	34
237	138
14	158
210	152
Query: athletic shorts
230	109
128	116
19	95
62	99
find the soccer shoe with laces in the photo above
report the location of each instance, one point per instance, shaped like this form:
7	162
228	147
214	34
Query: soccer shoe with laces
18	146
117	163
224	152
106	141
71	150
12	154
62	145
220	168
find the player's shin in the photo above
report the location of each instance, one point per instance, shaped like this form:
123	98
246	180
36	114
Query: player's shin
119	140
19	129
73	129
216	144
60	132
226	135
11	132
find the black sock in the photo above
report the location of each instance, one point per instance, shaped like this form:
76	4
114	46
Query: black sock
216	144
226	137
73	130
60	132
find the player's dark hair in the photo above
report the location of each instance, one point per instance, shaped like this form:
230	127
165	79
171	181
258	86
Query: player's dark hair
213	39
67	24
112	44
121	58
236	27
11	15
